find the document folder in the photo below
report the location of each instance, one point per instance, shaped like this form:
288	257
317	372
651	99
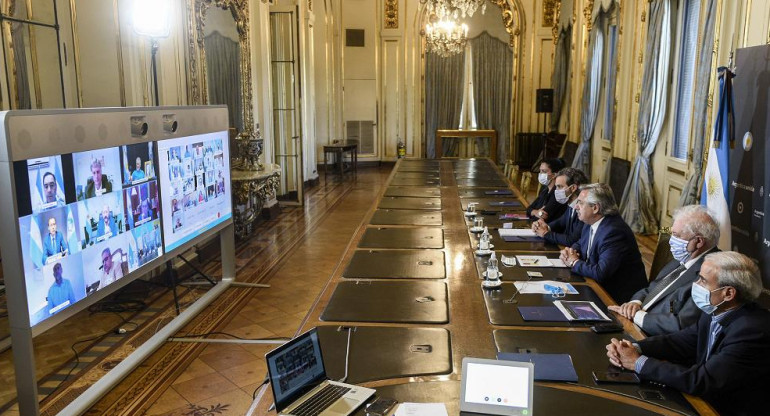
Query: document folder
548	367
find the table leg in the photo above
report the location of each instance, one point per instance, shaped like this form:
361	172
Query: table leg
326	167
341	156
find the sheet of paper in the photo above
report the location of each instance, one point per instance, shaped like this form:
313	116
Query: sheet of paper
539	287
421	409
516	232
557	263
508	260
534	261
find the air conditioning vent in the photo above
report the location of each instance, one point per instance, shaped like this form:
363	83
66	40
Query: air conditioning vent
363	132
354	37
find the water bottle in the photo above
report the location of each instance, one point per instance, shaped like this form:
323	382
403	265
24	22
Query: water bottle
484	240
492	271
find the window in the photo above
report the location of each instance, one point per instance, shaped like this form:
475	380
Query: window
686	76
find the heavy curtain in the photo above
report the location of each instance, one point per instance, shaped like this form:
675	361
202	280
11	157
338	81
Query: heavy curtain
560	75
591	91
700	106
561	63
492	66
443	96
637	205
20	65
223	75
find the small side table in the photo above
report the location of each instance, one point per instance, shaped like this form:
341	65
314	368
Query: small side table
339	149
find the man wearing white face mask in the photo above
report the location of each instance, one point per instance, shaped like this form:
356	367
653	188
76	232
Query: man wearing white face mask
665	306
723	357
545	205
565	230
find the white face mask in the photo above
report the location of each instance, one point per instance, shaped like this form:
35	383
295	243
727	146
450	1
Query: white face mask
543	179
561	195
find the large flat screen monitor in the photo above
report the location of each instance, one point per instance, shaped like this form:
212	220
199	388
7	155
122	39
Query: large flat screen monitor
195	186
86	220
94	198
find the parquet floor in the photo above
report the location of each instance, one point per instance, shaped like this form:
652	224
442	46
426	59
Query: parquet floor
296	253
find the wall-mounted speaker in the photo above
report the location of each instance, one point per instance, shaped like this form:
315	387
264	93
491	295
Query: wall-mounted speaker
544	101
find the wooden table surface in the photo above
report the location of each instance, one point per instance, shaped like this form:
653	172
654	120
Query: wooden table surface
471	332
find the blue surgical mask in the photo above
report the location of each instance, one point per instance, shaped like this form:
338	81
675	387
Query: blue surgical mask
679	249
543	178
702	298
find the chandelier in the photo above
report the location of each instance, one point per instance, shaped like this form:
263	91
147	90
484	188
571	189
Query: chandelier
454	8
446	37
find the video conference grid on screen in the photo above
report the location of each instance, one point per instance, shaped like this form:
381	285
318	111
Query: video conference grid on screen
87	219
195	183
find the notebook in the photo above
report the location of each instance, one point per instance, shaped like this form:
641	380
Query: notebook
548	367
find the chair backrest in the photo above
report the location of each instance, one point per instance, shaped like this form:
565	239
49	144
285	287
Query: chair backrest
507	168
662	255
526	179
619	171
568	154
513	175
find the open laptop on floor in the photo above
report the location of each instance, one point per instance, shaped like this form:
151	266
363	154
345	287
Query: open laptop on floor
300	385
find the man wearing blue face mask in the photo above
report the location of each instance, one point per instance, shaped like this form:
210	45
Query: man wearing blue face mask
722	358
665	306
566	229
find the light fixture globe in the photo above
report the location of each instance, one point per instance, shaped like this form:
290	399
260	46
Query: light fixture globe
152	18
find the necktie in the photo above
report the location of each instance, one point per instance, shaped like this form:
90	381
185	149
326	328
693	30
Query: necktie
714	329
590	242
662	284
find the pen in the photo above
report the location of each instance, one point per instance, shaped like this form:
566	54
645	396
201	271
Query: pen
535	262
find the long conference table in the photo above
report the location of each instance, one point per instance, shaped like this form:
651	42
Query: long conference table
410	287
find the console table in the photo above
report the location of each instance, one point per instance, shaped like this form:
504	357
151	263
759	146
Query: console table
339	149
466	134
252	191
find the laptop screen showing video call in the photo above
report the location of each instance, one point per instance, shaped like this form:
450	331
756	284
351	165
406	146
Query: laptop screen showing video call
295	368
498	385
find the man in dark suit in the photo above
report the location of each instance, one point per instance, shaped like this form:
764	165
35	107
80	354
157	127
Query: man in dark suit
722	358
607	251
566	229
666	306
53	242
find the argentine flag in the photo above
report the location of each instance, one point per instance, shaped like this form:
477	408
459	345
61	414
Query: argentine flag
716	191
35	243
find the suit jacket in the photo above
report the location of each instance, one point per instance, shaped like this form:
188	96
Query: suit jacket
674	309
547	200
565	230
91	186
58	245
736	377
615	261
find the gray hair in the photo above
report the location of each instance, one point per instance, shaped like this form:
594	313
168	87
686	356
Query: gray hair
698	220
600	194
573	176
96	163
738	271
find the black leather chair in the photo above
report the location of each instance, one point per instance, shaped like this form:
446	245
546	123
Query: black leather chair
662	255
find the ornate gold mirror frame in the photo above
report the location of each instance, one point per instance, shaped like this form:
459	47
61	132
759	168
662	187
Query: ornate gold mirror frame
197	88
